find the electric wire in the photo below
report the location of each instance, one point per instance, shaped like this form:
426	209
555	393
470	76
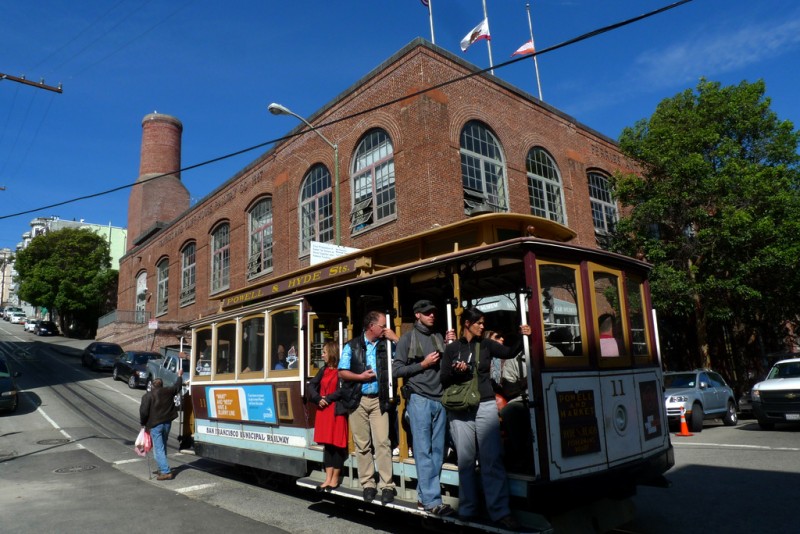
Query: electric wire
302	131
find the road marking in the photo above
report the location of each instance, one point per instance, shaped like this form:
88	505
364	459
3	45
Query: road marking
197	487
55	425
120	462
733	446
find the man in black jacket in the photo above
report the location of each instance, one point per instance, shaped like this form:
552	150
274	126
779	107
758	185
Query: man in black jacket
364	368
156	413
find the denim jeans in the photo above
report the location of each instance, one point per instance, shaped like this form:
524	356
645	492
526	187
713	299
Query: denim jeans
476	433
428	422
159	434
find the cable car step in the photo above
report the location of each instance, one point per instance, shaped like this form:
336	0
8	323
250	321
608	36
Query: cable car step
533	523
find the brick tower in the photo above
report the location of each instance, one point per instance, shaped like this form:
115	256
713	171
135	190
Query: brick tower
154	203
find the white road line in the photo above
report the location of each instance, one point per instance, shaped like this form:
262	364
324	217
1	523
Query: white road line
197	487
55	425
733	446
120	462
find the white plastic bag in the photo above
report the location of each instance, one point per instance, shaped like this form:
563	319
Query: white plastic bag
143	443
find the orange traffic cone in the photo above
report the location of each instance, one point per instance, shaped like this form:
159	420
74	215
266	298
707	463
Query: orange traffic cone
684	427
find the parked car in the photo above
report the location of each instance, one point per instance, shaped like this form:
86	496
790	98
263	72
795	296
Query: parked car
9	310
132	366
776	399
166	369
45	328
100	355
9	391
17	317
30	324
703	394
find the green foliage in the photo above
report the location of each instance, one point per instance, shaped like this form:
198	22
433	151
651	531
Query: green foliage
717	211
69	271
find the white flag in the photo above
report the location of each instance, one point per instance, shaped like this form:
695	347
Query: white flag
527	48
481	31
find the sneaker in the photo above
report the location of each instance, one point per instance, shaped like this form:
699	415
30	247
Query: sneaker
395	452
508	522
442	510
370	494
387	495
420	506
166	476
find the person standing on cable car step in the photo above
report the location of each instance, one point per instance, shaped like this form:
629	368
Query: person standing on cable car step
416	360
476	431
330	425
364	369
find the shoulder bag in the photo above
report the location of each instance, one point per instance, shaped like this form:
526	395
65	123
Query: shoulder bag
463	396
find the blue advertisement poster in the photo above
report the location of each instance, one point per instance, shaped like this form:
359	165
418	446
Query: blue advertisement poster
242	403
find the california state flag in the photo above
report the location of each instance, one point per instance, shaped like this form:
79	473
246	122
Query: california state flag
481	31
527	48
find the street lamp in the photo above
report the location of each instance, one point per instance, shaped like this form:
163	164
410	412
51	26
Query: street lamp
277	109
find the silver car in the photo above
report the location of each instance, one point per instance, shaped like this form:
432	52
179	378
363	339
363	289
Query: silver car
701	394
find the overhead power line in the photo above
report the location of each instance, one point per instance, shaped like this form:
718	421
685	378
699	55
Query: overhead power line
549	49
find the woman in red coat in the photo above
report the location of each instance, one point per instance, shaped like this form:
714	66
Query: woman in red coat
330	428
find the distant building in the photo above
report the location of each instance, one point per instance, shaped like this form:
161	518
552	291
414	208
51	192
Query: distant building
116	237
408	160
6	278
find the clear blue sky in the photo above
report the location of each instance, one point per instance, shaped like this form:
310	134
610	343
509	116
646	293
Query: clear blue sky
216	65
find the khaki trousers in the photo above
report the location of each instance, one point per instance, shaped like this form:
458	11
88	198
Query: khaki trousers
370	429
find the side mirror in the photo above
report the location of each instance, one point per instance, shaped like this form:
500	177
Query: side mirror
703	385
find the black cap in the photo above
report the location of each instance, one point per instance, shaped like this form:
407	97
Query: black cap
422	306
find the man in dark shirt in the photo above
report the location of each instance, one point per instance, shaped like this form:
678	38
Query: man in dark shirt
416	361
156	413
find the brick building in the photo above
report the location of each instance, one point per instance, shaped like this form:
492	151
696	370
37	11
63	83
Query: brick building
422	141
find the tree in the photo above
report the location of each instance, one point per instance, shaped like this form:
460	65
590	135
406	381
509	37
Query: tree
68	271
717	211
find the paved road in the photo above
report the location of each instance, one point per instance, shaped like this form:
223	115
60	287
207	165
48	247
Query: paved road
67	464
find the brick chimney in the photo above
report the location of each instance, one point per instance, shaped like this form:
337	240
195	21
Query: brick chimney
156	202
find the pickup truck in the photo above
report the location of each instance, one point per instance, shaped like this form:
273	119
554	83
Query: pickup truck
166	369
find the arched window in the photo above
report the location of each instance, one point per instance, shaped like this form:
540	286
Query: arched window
260	254
220	258
373	181
188	258
604	209
141	297
544	186
316	210
483	170
162	293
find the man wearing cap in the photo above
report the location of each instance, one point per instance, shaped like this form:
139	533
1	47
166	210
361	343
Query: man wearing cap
416	361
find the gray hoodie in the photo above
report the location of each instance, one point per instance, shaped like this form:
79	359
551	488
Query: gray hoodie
411	349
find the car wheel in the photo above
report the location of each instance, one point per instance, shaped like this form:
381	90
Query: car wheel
132	382
149	384
765	425
731	417
697	418
115	374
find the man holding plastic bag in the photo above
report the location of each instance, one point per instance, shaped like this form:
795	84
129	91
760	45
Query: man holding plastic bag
156	414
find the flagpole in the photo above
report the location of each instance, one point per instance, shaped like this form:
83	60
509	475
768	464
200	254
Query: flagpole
488	41
430	16
535	60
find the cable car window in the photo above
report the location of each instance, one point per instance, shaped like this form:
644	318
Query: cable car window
253	344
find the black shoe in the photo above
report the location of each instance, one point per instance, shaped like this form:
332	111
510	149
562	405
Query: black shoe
509	523
370	494
320	488
387	495
442	510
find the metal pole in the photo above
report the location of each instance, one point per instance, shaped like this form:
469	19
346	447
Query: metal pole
430	16
489	40
533	44
389	357
523	313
